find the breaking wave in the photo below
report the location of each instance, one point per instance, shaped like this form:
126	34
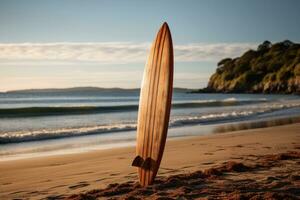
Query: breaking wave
77	110
176	121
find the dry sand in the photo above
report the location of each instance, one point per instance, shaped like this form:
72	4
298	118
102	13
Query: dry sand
234	165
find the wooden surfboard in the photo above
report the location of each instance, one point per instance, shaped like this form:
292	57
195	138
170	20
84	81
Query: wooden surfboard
154	107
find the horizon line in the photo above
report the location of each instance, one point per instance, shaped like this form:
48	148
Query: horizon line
96	87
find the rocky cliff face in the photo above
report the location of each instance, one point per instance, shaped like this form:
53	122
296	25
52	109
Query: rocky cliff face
272	68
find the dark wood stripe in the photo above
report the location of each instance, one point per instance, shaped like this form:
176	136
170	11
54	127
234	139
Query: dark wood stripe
168	105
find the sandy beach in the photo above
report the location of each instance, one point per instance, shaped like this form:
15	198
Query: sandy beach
241	155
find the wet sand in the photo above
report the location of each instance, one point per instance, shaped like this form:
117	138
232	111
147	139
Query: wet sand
227	165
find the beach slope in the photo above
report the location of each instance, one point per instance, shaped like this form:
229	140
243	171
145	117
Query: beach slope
217	165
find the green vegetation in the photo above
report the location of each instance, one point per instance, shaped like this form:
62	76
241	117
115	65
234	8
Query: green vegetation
272	68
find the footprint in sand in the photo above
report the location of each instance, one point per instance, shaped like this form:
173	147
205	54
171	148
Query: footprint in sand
168	169
266	147
36	192
101	179
6	183
221	149
17	192
238	146
58	186
236	158
79	185
114	174
185	167
207	163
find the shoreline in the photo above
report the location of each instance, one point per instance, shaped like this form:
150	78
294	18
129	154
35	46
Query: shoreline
74	173
54	147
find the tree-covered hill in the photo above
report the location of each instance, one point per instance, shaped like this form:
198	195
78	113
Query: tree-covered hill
272	68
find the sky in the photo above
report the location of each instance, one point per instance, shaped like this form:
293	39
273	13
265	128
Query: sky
71	43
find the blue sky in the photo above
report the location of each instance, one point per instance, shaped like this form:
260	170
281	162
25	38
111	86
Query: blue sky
105	43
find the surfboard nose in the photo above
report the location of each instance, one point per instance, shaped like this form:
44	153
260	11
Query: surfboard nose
165	24
164	32
166	27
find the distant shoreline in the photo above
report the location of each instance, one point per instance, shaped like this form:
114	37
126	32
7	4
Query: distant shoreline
84	89
131	90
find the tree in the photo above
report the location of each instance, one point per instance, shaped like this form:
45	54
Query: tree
264	46
224	61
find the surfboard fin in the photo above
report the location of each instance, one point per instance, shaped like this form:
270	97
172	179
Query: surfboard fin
138	161
147	163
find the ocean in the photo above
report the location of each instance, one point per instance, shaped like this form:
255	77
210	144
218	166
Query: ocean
47	123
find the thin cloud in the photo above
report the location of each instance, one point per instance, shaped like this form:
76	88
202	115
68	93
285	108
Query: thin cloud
113	52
